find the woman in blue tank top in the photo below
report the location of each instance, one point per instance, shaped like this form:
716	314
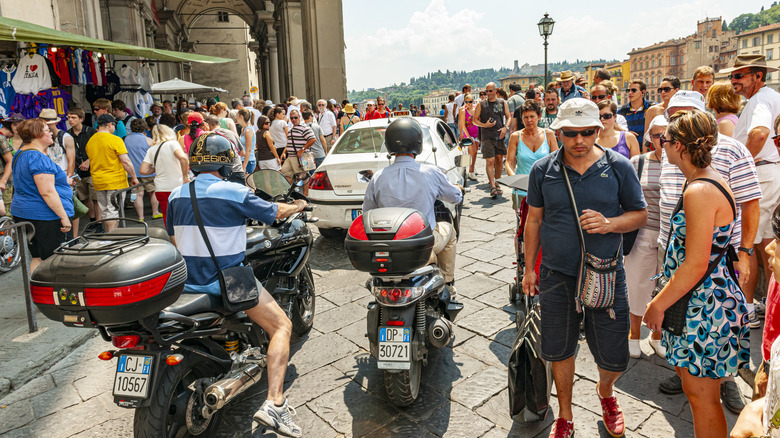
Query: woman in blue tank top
528	145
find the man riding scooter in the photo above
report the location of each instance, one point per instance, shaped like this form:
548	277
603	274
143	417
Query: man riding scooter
228	206
407	183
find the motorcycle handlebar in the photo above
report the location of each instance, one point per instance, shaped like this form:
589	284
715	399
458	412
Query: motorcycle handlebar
308	208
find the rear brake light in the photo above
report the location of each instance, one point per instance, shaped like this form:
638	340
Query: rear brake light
412	225
132	293
356	230
395	323
320	181
125	341
42	294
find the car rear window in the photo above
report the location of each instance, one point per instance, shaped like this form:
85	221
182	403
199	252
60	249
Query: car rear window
367	140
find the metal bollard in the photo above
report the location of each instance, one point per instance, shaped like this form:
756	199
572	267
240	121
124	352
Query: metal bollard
32	323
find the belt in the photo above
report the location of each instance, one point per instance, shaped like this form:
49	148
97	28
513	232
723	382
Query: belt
764	162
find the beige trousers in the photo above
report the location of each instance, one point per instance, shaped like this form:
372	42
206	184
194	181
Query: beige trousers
443	254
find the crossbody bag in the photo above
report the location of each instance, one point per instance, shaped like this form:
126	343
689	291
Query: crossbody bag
596	276
237	284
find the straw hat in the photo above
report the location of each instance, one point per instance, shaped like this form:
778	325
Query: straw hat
349	109
566	76
746	61
49	115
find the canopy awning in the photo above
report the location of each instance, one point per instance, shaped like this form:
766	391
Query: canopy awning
18	30
177	85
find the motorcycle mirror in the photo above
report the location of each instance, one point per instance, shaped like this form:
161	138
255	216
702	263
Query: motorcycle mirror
466	142
463	160
300	178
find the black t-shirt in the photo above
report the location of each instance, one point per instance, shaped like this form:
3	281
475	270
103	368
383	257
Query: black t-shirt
81	146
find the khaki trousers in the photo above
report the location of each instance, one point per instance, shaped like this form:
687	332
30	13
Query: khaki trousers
443	254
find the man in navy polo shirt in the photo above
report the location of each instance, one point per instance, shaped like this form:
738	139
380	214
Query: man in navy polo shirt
610	200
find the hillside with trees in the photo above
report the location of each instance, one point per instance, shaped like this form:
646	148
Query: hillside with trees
750	21
411	93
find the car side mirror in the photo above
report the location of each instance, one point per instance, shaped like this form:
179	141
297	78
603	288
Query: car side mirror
463	160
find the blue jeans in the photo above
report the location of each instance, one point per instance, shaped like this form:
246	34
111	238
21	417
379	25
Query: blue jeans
607	338
251	167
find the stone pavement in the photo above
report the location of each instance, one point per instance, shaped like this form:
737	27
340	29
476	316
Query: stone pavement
333	382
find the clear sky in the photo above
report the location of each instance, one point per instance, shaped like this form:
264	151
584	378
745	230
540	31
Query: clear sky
391	41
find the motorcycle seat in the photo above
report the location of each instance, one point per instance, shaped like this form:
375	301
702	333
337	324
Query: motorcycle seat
154	232
190	304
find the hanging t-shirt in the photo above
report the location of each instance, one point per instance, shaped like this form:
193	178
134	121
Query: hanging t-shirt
57	57
102	62
32	76
127	75
96	69
57	100
70	58
145	78
80	66
7	92
142	102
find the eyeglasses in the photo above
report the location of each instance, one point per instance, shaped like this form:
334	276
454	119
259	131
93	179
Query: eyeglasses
470	101
656	136
664	89
664	140
599	97
632	90
574	134
606	116
320	104
739	75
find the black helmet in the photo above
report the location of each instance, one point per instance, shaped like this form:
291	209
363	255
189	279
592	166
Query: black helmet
404	136
210	152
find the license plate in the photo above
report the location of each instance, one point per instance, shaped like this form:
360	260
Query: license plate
395	344
356	213
133	376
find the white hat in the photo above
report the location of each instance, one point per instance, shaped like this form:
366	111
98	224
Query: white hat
269	102
333	101
370	102
577	113
658	121
685	98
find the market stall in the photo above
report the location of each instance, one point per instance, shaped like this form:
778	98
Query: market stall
180	86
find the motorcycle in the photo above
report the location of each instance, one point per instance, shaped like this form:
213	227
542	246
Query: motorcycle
181	358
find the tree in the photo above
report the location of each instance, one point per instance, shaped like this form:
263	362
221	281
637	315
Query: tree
725	26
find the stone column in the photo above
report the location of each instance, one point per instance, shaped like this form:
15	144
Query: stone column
273	68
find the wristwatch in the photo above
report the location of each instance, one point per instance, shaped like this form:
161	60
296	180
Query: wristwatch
749	251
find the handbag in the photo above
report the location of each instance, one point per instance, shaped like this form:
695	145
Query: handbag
597	276
676	314
530	376
79	209
237	284
630	237
307	160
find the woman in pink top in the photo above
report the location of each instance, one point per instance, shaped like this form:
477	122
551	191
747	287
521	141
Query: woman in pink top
192	131
722	99
469	130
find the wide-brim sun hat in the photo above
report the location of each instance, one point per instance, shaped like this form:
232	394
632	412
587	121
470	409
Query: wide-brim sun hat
349	109
747	61
566	76
49	115
577	113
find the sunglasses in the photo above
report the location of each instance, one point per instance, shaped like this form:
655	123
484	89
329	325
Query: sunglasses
664	89
470	101
739	75
656	136
267	123
632	90
663	141
599	97
777	140
293	118
320	104
574	134
606	116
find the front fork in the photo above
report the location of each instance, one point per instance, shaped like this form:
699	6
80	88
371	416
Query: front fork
412	316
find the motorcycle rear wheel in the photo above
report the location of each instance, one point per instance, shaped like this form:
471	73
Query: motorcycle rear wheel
402	388
304	303
165	417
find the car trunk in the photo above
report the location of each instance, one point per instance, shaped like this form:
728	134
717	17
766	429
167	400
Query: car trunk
344	175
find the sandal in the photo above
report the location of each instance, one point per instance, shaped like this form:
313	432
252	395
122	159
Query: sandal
493	192
498	190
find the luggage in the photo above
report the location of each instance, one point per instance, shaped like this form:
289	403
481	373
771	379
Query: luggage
530	376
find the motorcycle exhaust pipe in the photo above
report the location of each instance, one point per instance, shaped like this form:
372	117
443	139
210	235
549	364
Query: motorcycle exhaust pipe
222	392
440	332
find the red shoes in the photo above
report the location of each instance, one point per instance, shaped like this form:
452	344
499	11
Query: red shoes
562	429
612	415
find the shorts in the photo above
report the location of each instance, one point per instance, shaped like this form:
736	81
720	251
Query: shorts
641	266
271	164
85	189
148	184
47	238
492	147
607	338
291	166
769	180
107	209
250	167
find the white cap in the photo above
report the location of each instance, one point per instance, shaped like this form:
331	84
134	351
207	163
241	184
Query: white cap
577	113
269	102
685	98
333	101
658	121
370	102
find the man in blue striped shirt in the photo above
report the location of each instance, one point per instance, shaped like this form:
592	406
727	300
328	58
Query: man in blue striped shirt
225	207
634	111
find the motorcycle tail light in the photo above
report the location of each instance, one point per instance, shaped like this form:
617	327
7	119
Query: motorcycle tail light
357	230
126	341
320	181
398	295
42	294
132	293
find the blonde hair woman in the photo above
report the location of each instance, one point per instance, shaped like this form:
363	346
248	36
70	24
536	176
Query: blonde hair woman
722	99
167	160
220	109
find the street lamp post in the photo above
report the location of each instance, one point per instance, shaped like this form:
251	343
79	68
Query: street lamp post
546	25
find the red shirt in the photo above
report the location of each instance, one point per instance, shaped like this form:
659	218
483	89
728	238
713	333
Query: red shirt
772	319
377	115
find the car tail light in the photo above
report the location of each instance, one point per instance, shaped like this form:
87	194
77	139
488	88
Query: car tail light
356	230
132	293
320	181
42	294
125	341
412	225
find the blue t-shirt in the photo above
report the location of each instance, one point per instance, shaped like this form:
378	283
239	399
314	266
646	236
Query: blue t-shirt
137	146
121	130
610	189
28	202
224	207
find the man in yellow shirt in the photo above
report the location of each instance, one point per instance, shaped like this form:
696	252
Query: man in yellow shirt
110	167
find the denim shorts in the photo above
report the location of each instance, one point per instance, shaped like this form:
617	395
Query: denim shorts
607	338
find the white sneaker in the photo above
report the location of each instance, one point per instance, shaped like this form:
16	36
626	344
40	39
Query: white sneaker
278	419
760	309
753	320
659	349
472	176
633	348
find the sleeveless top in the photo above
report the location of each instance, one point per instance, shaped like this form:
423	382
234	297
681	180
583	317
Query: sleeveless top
262	151
188	140
526	158
732	117
249	149
471	128
622	147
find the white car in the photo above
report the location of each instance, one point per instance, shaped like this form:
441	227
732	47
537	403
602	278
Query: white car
339	183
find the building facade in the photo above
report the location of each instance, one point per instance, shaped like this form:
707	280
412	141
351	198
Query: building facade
764	40
435	100
524	80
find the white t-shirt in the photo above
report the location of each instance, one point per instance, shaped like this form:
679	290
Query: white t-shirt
32	75
761	110
277	133
142	103
127	76
57	154
145	78
450	113
168	170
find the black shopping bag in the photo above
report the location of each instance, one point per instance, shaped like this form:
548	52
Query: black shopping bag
530	376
